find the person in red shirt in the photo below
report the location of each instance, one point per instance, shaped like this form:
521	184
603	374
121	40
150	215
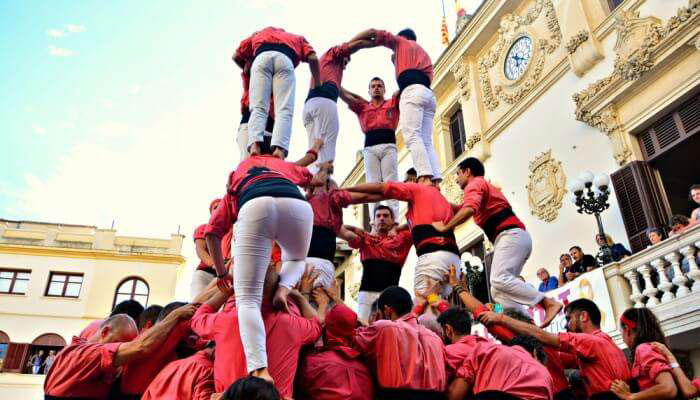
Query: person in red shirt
436	250
512	243
382	256
487	369
87	368
336	371
189	378
131	308
414	73
378	120
650	369
320	114
286	332
409	359
266	204
205	272
687	388
599	359
275	54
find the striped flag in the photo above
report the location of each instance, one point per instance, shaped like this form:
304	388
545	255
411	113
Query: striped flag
445	33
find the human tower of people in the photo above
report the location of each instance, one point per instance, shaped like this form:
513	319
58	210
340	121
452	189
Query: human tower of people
266	319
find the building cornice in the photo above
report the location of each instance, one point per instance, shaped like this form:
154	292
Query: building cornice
173	259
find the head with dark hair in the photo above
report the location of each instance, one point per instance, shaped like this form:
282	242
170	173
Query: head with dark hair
678	222
518	314
383	219
394	302
532	346
149	316
251	388
408	33
582	316
169	308
456	322
640	325
469	169
694	193
576	253
411	175
565	259
655	235
377	89
131	308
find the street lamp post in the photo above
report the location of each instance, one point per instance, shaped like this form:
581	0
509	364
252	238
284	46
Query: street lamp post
591	197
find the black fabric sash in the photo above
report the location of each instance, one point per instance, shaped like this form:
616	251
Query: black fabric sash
282	48
423	232
327	90
322	243
491	225
566	394
494	395
378	275
409	394
380	136
411	77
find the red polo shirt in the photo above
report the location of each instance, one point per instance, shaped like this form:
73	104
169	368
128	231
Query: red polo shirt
648	364
425	203
405	355
225	245
393	249
486	200
226	214
598	357
91	329
330	375
286	334
328	208
140	373
486	365
189	378
408	54
331	65
271	35
383	116
83	370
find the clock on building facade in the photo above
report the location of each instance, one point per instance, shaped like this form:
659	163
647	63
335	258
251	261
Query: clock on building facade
518	58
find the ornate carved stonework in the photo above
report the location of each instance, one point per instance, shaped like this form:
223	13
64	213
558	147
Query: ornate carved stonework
453	192
461	73
547	187
473	140
354	290
576	41
513	26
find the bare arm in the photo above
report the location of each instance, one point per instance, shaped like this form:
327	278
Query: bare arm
218	298
214	246
367	34
358	198
371	188
307	311
355	45
458	219
522	328
154	337
309	157
347	234
315	69
207	293
684	384
349	97
663	388
201	248
458	389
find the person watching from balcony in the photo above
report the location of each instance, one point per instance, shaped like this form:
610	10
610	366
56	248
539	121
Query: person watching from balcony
655	235
695	196
567	272
651	371
618	250
687	388
678	223
582	262
548	282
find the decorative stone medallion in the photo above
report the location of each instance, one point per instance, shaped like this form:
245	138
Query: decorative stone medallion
546	187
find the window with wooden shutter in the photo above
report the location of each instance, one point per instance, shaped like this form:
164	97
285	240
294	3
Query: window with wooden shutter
671	129
16	357
639	196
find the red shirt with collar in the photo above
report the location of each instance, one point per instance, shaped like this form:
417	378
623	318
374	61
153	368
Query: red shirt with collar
408	54
189	378
393	249
328	208
91	329
271	35
372	117
286	334
329	375
486	200
598	357
648	364
331	65
226	214
486	365
404	354
140	373
83	370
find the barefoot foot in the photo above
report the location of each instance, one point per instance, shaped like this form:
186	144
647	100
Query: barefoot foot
279	153
551	309
254	149
262	373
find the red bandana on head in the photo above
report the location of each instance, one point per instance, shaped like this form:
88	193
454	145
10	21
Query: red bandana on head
340	328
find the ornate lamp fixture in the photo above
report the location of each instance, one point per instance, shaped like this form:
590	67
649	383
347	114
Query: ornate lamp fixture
591	197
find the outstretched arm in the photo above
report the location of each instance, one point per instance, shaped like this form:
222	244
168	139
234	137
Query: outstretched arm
315	69
357	44
522	328
358	198
311	155
350	98
458	219
348	233
371	188
368	34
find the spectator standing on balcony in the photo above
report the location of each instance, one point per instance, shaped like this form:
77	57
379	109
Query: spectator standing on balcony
49	361
567	273
655	235
618	250
548	282
650	369
36	362
582	262
678	223
695	196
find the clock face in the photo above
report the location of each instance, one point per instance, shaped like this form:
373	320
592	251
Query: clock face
518	58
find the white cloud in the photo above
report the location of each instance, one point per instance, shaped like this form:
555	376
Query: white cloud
75	28
59	51
56	32
38	129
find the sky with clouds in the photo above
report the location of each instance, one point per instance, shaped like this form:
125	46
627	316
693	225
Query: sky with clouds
126	111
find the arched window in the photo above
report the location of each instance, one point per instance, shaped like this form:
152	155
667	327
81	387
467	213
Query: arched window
49	339
132	288
4	338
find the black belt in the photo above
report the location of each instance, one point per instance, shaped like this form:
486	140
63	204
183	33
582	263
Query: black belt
423	232
490	226
409	394
565	394
412	77
494	395
380	136
279	47
604	396
327	90
322	243
378	275
49	397
209	270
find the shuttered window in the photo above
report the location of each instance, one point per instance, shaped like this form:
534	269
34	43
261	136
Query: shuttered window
639	196
457	133
672	129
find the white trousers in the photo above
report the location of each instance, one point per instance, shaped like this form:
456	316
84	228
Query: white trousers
381	165
272	73
320	118
435	266
325	269
511	250
242	140
417	110
364	304
200	281
261	220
